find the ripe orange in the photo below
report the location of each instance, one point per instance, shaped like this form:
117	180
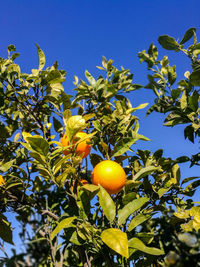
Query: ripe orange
110	175
1	180
82	149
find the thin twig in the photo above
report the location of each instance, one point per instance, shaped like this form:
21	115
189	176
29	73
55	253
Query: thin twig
51	214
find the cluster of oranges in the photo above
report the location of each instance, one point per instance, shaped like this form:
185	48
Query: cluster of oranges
82	149
109	174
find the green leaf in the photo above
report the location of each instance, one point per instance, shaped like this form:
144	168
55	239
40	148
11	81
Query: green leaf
116	240
107	204
41	57
194	101
11	47
38	157
14	56
44	172
57	125
38	144
182	214
141	106
58	164
62	225
54	77
147	238
17	136
91	188
189	179
139	245
90	78
123	145
162	191
189	133
25	135
145	171
4	167
188	35
83	203
56	87
131	207
182	159
87	117
104	62
168	42
195	212
6	231
153	51
63	176
13	68
176	172
175	93
74	124
97	126
137	220
104	146
95	159
183	100
195	78
172	74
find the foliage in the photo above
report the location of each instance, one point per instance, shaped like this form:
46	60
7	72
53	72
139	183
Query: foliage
153	221
179	100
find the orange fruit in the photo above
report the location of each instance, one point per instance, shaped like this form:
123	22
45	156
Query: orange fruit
110	175
83	182
82	149
1	180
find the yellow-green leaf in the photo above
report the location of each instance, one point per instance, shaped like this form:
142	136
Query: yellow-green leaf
162	191
137	220
41	57
13	68
107	204
61	225
145	171
183	100
116	240
139	245
131	207
91	188
38	144
182	214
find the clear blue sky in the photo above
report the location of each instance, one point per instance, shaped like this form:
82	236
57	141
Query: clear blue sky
78	33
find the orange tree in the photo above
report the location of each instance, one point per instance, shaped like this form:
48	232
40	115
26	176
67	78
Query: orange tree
152	221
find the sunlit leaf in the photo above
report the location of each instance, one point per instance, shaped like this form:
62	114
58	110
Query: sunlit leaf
41	57
131	207
6	166
168	42
116	240
137	220
139	245
107	204
145	171
39	144
62	225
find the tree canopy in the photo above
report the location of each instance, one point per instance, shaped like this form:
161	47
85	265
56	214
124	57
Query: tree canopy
153	220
